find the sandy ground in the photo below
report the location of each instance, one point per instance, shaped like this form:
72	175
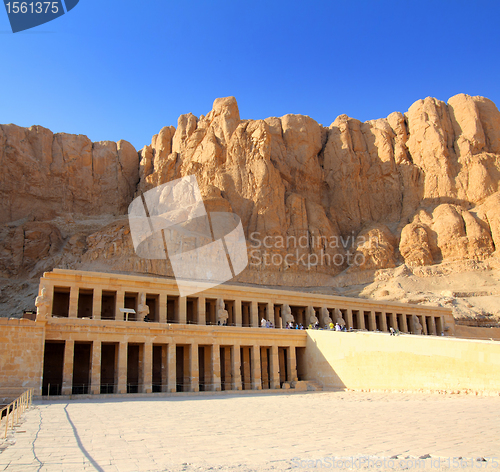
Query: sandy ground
260	432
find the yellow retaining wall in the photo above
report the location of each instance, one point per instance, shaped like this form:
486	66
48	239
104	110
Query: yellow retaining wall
473	332
21	356
378	361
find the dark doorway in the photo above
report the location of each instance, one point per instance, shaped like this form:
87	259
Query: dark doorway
53	362
81	368
108	367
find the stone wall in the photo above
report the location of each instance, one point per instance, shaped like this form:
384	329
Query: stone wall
378	361
475	332
21	356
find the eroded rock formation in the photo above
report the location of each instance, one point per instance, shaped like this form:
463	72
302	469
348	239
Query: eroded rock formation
415	188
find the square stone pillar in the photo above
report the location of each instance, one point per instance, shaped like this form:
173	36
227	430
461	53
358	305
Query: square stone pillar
147	368
423	323
172	369
97	304
237	312
270	311
433	326
121	374
373	321
194	368
120	303
254	315
69	354
383	321
349	321
404	327
202	311
216	381
236	367
394	321
256	371
182	310
73	303
95	368
277	318
292	364
361	319
274	381
162	312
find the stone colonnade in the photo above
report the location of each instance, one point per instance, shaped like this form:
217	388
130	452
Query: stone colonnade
76	295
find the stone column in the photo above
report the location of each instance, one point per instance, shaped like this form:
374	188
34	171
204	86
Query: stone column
292	364
277	319
433	326
120	303
383	321
182	310
122	368
194	368
274	381
172	370
373	321
269	311
73	302
423	323
236	367
95	368
69	353
202	311
254	315
162	300
361	319
237	312
256	372
404	327
97	304
147	366
216	381
349	321
394	320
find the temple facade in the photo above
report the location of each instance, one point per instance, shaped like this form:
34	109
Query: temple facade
112	333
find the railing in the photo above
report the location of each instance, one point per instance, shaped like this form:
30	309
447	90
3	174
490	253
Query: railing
13	411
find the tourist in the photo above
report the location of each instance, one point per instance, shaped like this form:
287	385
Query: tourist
263	322
337	327
331	325
301	326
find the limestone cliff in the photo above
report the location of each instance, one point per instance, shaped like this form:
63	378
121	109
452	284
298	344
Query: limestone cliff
418	188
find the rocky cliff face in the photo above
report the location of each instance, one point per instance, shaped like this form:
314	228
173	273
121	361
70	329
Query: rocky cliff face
419	188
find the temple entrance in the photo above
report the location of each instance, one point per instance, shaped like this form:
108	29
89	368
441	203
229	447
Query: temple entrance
159	376
246	367
109	360
134	363
81	368
53	363
283	364
225	368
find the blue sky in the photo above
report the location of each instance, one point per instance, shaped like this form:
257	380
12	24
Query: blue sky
124	69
